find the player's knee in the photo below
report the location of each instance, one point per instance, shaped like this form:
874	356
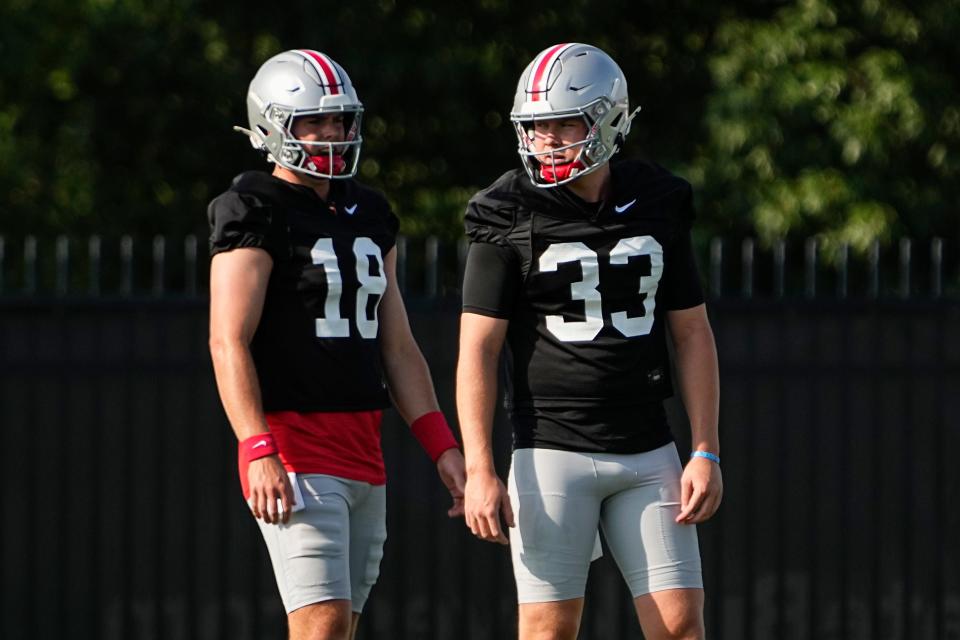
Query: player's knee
687	625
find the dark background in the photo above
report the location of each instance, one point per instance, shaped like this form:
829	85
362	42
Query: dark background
124	517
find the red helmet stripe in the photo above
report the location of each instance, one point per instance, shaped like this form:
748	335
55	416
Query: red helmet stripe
541	70
327	70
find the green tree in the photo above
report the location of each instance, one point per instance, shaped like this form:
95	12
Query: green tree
834	118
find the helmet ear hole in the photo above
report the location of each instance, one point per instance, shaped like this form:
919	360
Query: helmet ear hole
616	120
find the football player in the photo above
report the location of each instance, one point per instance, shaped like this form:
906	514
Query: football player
580	266
310	342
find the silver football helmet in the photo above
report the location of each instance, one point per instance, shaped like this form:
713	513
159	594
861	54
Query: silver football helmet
297	83
571	80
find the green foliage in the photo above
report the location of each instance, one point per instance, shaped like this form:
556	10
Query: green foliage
815	116
835	119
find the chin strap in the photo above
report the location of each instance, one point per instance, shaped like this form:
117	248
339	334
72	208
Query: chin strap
321	164
560	172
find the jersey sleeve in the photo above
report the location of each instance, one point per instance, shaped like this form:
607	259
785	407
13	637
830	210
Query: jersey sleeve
237	221
392	224
491	280
492	277
680	284
486	222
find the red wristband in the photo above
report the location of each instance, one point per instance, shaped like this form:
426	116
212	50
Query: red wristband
433	433
258	446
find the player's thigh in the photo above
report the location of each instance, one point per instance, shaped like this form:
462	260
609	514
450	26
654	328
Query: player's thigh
368	532
672	614
556	508
558	620
310	554
652	551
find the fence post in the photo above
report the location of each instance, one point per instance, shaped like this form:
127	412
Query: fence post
431	252
874	266
93	251
906	246
842	271
810	267
63	265
30	264
936	267
746	276
190	265
126	266
716	267
159	258
779	267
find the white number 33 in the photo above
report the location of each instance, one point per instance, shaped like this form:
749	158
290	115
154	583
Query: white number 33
586	290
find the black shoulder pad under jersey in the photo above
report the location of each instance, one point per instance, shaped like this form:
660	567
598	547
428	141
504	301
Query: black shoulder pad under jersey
242	220
491	213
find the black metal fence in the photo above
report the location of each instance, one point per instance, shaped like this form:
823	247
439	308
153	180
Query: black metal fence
124	520
159	267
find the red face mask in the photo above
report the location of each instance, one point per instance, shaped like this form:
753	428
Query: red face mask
558	172
321	164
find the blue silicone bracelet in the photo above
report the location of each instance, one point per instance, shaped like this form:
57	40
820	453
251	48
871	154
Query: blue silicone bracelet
707	455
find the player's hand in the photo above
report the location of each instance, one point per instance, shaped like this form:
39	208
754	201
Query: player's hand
701	490
485	500
269	482
453	473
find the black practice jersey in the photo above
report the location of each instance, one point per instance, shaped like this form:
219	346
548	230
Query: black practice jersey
317	346
585	287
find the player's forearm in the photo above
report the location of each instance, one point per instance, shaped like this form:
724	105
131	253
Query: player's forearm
700	387
476	402
238	386
408	378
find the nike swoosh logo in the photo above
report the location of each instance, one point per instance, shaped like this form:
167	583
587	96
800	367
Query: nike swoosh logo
350	210
623	207
262	443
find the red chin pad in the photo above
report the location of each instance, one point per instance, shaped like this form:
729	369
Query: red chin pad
321	164
559	172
